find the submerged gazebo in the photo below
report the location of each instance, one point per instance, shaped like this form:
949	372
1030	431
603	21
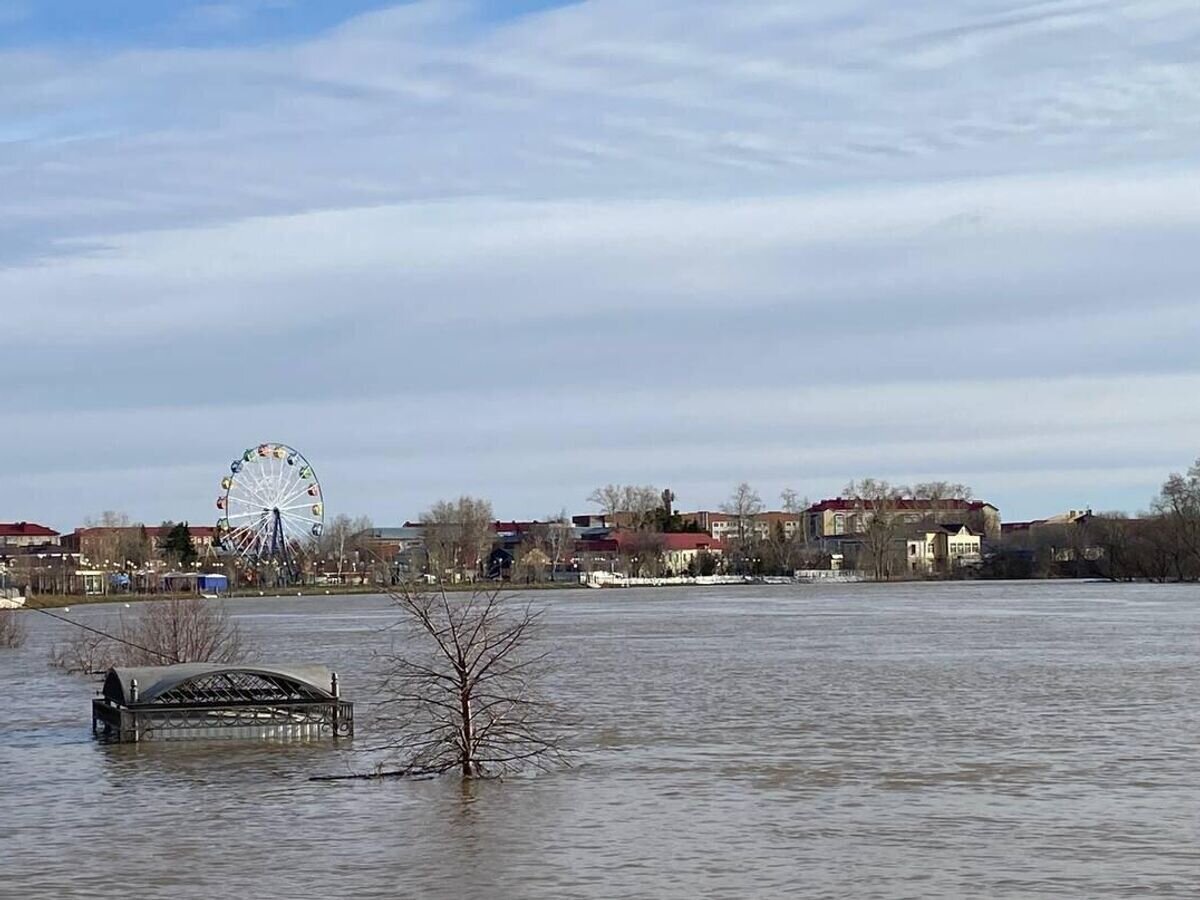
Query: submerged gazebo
211	700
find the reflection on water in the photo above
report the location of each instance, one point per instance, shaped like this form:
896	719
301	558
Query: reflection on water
999	741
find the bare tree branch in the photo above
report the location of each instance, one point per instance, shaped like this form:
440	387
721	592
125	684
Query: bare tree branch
12	629
162	632
459	689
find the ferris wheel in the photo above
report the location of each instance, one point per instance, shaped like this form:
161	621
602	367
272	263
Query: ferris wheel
271	507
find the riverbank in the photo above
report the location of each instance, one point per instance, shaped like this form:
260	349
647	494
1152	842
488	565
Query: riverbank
59	601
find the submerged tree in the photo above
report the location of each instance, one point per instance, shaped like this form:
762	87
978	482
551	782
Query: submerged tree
460	686
163	632
12	629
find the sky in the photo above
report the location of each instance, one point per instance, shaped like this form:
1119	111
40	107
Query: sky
522	249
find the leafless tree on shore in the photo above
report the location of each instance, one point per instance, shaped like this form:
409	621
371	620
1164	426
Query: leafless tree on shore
188	629
457	536
460	686
557	538
742	506
875	503
628	505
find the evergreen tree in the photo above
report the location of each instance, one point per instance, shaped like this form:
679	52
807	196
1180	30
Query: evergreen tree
177	546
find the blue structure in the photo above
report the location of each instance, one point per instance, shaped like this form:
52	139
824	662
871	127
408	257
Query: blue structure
212	583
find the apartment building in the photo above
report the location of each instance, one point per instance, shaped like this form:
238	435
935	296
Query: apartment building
21	535
943	548
836	517
759	527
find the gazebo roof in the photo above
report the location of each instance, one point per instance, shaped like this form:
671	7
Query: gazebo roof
217	683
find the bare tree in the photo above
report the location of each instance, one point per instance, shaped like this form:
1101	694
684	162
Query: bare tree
12	629
1178	509
345	542
108	519
103	547
643	554
87	652
531	565
610	498
743	505
792	502
178	630
134	546
460	686
636	504
185	629
557	538
940	490
795	505
876	502
1114	536
457	536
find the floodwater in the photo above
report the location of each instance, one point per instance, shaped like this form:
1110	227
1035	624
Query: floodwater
1014	740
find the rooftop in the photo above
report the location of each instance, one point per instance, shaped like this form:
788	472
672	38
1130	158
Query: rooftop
911	503
25	529
153	531
667	540
215	682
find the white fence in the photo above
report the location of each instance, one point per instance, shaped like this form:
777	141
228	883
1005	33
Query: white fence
610	579
10	598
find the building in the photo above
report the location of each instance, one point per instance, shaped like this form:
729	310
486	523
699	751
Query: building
22	535
391	543
1064	538
590	520
657	553
681	552
943	549
1070	517
117	546
837	517
762	526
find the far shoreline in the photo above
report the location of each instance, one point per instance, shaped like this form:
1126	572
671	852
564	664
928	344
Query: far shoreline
60	601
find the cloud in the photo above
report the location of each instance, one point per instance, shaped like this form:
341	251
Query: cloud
688	242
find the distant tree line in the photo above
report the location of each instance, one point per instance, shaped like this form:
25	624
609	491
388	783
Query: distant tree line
1161	545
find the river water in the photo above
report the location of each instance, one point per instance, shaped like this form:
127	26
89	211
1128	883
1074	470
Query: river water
860	741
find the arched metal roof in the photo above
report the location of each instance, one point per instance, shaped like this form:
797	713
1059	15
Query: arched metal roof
214	683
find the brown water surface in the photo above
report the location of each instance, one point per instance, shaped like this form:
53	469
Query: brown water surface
935	741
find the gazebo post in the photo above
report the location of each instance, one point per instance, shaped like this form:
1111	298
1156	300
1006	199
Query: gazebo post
335	689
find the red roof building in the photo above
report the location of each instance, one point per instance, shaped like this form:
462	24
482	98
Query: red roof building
633	540
102	544
27	534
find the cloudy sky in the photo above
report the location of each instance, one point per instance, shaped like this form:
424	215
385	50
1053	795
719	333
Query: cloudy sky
519	248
